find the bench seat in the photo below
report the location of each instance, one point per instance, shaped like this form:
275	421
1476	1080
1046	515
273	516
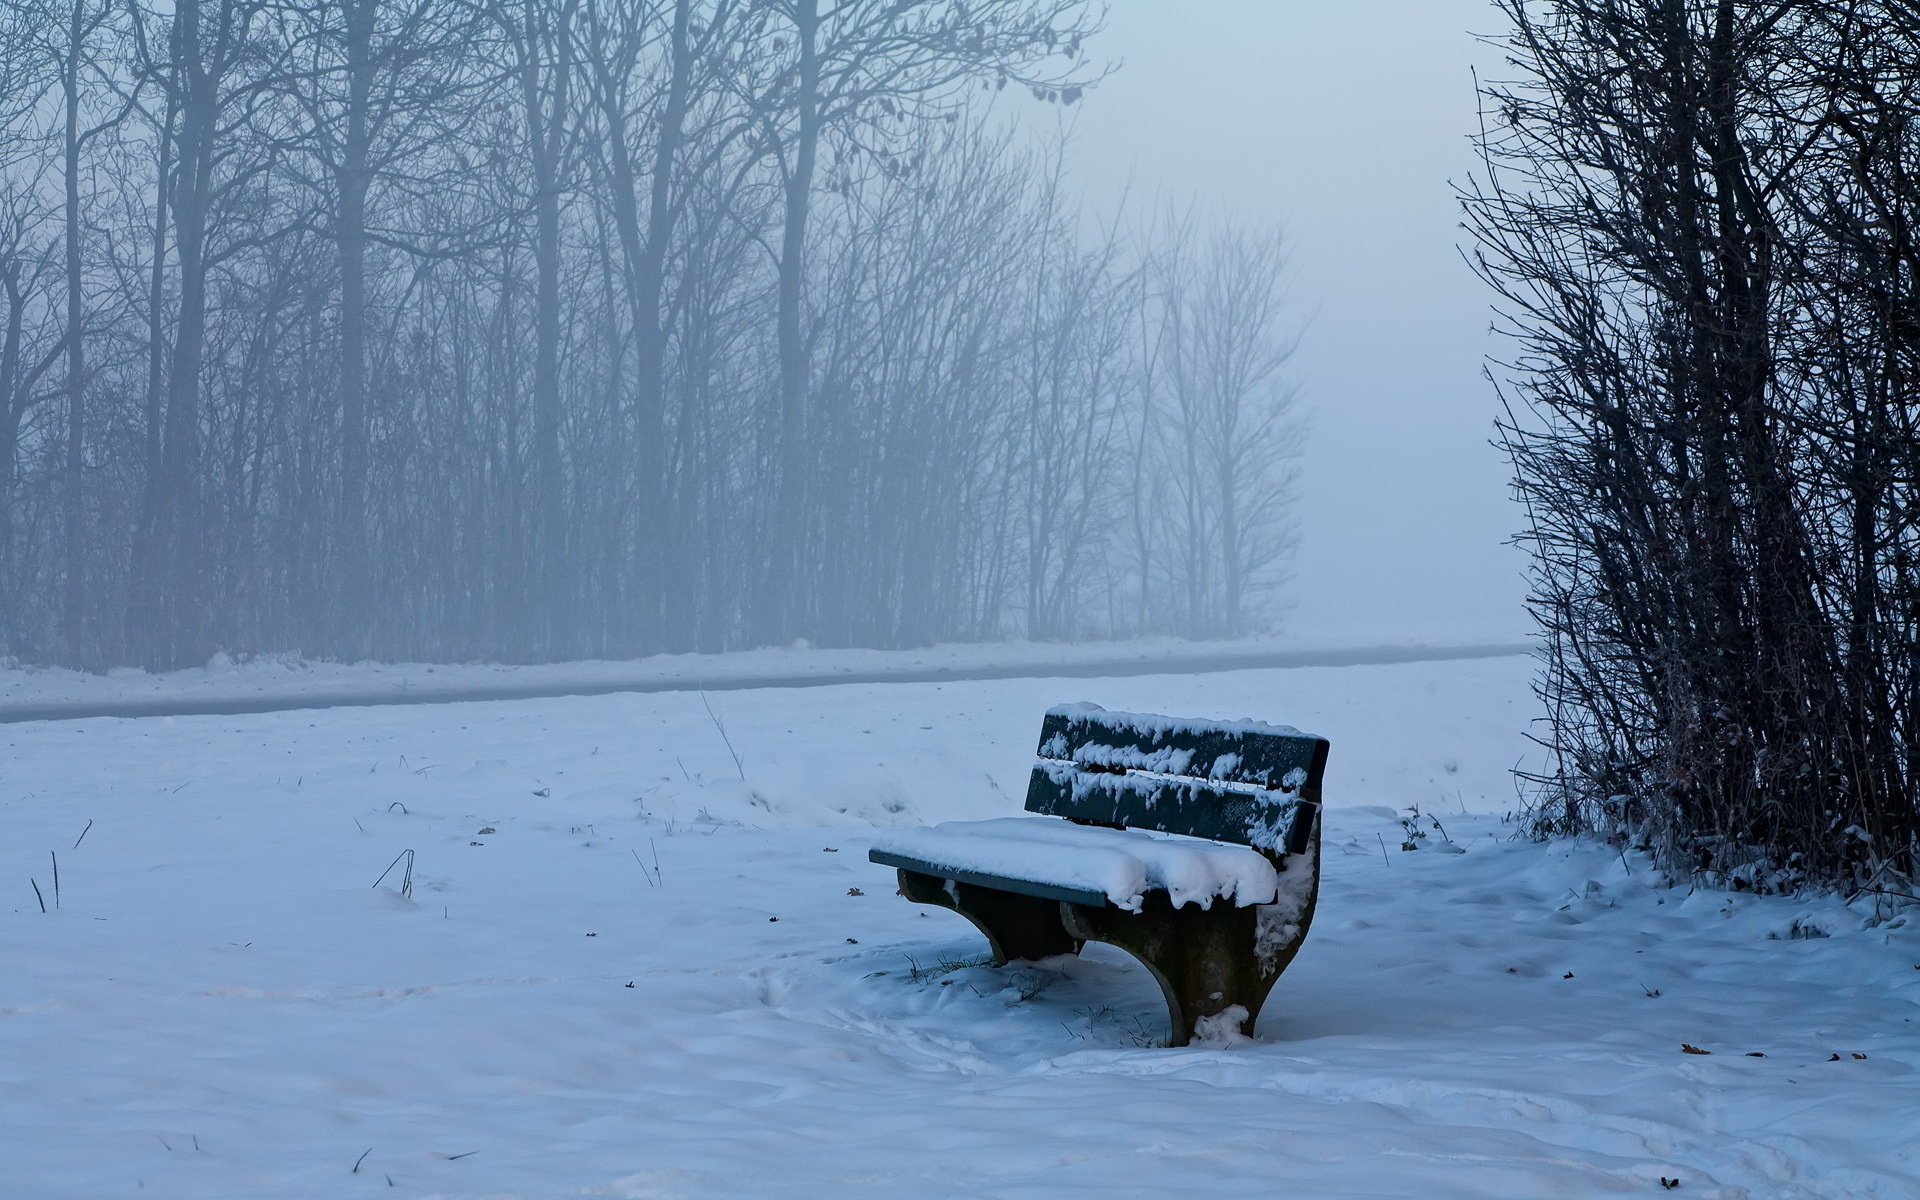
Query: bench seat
1083	864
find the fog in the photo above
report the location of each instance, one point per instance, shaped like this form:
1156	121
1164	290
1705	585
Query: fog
533	330
1344	123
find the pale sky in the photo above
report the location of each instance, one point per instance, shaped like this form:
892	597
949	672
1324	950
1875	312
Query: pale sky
1343	121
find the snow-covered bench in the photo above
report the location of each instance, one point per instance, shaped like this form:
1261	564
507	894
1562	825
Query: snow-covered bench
1192	845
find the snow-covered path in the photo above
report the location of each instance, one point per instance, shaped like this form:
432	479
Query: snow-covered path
222	1006
281	684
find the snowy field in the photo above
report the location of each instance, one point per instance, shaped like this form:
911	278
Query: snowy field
638	957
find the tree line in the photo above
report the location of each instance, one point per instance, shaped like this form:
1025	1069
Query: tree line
528	329
1703	220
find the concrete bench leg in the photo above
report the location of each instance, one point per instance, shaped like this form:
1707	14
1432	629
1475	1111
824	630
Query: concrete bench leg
1017	927
1207	961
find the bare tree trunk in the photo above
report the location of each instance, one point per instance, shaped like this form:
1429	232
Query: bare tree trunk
142	614
13	403
644	250
74	606
175	585
649	333
546	89
352	179
778	600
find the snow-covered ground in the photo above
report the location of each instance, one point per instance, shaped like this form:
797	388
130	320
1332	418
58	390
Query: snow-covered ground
639	957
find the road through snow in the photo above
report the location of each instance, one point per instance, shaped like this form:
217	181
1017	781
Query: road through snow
68	696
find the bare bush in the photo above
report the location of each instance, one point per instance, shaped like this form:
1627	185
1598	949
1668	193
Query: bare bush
1696	215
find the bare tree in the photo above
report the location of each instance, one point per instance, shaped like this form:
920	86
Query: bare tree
1222	432
214	71
373	87
27	265
847	76
88	110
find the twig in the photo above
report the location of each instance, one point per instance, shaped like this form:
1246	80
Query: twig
1890	892
406	880
56	878
656	858
737	764
361	1159
83	834
36	893
642	866
1383	849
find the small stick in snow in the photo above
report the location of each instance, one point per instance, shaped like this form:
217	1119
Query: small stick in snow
406	880
737	764
1383	849
36	893
361	1159
83	834
56	878
1898	895
458	1157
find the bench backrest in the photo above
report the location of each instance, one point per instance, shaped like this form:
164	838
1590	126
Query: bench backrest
1231	781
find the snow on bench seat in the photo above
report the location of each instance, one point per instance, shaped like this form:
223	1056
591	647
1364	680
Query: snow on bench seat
1086	863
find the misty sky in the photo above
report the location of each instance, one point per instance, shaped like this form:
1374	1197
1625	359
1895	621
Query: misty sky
1344	122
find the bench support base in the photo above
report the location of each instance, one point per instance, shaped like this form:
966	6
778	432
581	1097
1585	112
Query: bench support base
1017	927
1206	961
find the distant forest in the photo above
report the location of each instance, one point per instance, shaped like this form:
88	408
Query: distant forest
532	329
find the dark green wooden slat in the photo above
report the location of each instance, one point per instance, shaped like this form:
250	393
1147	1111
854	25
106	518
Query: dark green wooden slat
1025	887
1277	821
1263	759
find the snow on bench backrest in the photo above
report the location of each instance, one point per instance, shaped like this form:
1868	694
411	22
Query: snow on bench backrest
1232	781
